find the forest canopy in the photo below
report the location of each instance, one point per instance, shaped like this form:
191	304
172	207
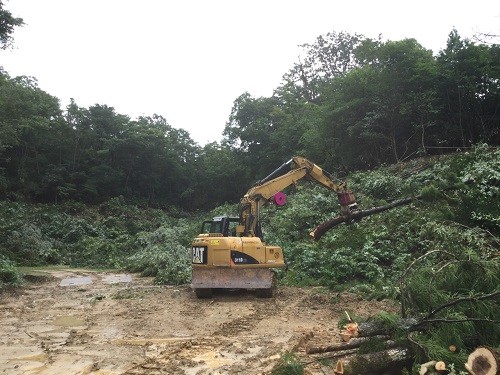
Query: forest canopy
352	103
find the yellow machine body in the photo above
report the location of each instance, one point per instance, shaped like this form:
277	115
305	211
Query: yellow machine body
233	262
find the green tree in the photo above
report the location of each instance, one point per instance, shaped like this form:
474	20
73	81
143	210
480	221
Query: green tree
469	87
332	55
30	120
379	112
221	176
145	160
166	156
253	128
7	24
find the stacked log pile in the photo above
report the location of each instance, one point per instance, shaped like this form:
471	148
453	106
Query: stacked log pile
392	357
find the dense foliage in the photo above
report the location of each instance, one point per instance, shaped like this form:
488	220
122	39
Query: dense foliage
111	235
7	24
377	247
352	103
456	190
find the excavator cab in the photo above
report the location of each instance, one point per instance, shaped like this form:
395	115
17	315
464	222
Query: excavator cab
223	225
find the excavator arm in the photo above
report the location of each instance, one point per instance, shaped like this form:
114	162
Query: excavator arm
268	188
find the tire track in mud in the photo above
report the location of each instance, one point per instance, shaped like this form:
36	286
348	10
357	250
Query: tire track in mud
232	348
248	339
245	324
140	328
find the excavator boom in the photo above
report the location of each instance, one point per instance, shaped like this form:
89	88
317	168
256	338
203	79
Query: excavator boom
264	190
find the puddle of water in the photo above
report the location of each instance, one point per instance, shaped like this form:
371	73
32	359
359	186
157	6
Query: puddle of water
76	281
68	321
41	357
142	342
120	278
208	360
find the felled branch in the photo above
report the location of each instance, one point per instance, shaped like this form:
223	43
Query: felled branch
373	328
460	300
443	320
321	229
430	320
410	267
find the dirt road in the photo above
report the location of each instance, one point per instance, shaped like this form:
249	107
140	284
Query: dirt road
124	324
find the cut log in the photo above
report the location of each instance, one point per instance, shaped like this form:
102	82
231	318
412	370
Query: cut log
321	229
387	361
350	353
339	368
340	353
483	361
352	343
373	328
426	368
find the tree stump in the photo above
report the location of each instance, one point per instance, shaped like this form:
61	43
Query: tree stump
483	361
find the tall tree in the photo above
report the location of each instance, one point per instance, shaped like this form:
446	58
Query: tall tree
7	24
252	128
380	111
332	55
469	87
221	176
30	120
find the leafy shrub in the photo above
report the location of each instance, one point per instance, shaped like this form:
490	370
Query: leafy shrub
84	236
28	245
162	255
380	184
289	365
482	180
469	184
9	275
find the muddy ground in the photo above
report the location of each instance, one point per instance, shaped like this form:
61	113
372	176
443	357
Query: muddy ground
124	324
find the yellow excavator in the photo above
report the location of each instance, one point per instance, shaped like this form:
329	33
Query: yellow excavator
230	253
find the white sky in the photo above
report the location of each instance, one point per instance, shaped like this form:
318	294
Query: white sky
188	60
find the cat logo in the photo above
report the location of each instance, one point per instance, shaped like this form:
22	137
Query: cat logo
199	255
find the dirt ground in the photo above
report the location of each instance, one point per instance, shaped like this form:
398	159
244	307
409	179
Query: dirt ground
124	324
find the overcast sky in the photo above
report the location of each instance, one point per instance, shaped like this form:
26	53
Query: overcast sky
188	60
